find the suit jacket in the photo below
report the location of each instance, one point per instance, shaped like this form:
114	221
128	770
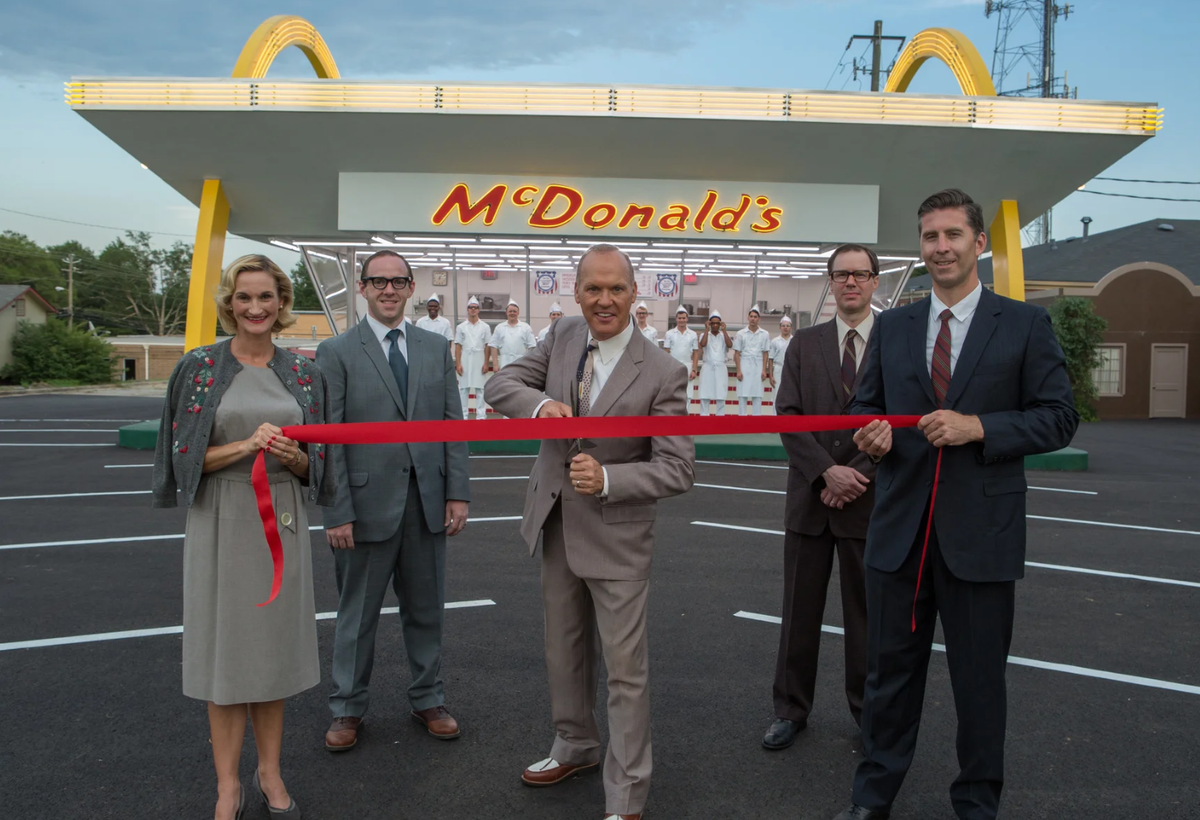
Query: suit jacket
811	385
373	478
1012	374
610	538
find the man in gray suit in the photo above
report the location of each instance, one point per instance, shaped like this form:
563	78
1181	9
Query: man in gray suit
396	503
829	497
595	511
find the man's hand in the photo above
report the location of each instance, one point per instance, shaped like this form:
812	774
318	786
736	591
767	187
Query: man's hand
458	368
739	374
456	517
692	374
945	428
341	538
587	476
483	370
845	483
875	439
830	500
767	376
554	410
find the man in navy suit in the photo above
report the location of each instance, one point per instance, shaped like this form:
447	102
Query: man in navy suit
989	379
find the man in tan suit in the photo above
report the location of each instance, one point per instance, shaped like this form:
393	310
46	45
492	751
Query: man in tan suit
829	497
595	511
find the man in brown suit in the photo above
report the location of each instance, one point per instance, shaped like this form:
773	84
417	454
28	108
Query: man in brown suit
595	512
829	497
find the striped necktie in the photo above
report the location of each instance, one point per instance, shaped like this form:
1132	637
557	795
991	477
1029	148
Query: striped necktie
849	366
940	367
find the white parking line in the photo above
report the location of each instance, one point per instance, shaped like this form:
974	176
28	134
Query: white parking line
1107	524
739	464
31	444
72	421
1069	669
500	478
100	637
60	430
1059	490
178	535
512	456
740	489
124	466
71	495
1058	567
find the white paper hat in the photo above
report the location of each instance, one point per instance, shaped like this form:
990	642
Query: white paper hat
714	314
556	308
434	298
641	306
472	302
785	321
682	310
512	303
755	309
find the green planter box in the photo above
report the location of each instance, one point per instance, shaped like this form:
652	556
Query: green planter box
140	436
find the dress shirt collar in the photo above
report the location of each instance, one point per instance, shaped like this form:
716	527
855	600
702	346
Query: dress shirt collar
863	330
965	308
610	349
381	330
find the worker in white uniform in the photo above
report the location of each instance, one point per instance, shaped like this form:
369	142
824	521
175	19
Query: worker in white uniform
471	357
556	313
751	347
511	340
435	323
684	346
643	315
779	346
714	374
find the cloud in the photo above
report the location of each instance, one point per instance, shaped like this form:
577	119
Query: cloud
387	37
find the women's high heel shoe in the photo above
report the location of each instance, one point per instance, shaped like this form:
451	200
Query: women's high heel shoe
292	812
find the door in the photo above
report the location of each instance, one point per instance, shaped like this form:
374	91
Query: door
1168	381
130	370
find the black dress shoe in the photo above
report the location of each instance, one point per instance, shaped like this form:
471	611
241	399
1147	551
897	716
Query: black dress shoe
857	812
782	734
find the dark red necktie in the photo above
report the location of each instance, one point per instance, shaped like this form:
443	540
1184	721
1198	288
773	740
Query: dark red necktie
849	369
940	367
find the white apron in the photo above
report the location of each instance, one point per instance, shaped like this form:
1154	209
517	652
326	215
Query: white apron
473	339
714	375
751	346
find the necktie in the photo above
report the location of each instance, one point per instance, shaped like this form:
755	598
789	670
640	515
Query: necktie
585	380
940	367
849	368
398	363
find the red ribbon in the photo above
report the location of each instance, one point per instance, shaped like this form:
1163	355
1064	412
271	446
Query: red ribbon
590	427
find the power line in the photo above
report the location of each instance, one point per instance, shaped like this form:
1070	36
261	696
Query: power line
1136	196
92	225
1150	181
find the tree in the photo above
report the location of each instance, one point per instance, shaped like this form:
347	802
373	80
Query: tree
1080	332
53	352
25	262
303	292
143	286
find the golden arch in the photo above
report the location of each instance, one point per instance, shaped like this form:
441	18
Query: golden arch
952	48
273	36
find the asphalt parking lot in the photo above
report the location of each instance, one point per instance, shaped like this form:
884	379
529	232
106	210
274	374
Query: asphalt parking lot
1104	684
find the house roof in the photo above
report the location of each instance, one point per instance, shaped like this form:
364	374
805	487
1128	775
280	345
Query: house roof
11	293
1086	261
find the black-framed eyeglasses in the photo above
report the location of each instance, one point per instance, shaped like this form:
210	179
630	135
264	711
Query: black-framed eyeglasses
841	276
381	282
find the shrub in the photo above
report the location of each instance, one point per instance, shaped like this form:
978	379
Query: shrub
1080	332
53	352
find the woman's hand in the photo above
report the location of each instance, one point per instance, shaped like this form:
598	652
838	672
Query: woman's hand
261	439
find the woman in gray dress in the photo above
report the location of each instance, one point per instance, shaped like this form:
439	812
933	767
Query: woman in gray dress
225	403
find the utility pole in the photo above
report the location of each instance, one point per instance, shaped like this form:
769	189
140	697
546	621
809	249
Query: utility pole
876	53
1028	16
71	260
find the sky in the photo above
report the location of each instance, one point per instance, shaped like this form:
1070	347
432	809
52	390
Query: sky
54	164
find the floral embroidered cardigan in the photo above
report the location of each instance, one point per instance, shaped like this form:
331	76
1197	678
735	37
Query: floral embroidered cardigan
193	393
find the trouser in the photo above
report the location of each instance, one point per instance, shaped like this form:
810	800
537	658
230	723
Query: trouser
584	617
757	403
977	620
480	407
807	564
413	561
704	407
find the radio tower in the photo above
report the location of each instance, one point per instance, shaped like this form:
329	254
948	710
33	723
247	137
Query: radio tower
1025	37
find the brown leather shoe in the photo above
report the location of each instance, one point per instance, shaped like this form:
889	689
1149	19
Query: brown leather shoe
438	721
549	772
343	734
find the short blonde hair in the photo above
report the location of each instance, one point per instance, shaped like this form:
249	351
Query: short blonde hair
245	264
